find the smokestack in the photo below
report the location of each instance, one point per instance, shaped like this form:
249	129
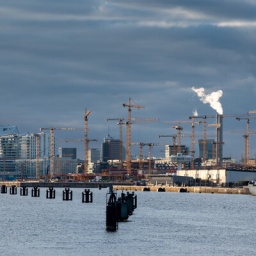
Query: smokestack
219	142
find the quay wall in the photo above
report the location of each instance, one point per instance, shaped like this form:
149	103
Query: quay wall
212	190
125	186
61	184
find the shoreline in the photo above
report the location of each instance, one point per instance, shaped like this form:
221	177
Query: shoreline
210	190
126	186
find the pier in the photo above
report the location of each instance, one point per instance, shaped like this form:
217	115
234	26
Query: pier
197	189
126	186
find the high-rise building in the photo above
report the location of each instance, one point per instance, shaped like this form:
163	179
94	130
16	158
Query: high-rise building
110	149
94	155
67	153
210	148
18	152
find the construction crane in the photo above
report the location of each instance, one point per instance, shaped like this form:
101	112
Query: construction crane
52	145
172	136
150	145
204	134
179	129
120	124
246	138
82	140
86	141
192	122
219	139
246	146
129	105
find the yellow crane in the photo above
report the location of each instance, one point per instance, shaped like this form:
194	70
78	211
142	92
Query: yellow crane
82	140
246	138
192	136
86	141
172	136
141	145
219	127
52	145
204	134
129	105
179	129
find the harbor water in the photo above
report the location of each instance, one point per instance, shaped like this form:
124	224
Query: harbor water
162	224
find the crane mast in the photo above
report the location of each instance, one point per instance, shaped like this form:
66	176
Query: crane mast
52	146
173	138
192	136
246	140
204	134
179	129
128	133
120	124
86	141
141	145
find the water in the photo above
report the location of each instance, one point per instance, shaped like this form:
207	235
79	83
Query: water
163	224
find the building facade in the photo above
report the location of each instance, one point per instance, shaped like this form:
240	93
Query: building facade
210	148
18	153
67	153
174	150
110	149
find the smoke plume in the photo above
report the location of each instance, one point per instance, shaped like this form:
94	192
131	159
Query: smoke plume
212	98
195	113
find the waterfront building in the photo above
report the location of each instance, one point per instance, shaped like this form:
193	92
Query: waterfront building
225	176
18	153
173	150
93	155
110	149
93	159
65	165
67	153
28	145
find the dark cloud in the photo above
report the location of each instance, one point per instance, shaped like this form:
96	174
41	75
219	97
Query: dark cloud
58	58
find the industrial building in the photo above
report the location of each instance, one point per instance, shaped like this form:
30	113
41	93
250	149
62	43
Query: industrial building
220	176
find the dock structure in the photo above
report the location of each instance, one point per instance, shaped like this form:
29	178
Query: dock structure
130	187
196	189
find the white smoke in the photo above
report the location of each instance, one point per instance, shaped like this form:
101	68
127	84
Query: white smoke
195	113
212	98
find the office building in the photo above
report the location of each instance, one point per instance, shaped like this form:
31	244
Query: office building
67	153
110	149
210	146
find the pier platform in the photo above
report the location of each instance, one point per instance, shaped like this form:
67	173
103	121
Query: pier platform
212	190
130	187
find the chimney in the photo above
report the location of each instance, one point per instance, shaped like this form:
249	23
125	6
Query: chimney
219	142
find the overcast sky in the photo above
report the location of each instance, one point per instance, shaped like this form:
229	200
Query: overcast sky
60	57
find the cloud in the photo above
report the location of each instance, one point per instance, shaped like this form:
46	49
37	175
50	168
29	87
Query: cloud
58	58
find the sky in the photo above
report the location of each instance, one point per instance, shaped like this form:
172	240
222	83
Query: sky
59	58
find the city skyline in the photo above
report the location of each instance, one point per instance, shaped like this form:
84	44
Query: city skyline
61	58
